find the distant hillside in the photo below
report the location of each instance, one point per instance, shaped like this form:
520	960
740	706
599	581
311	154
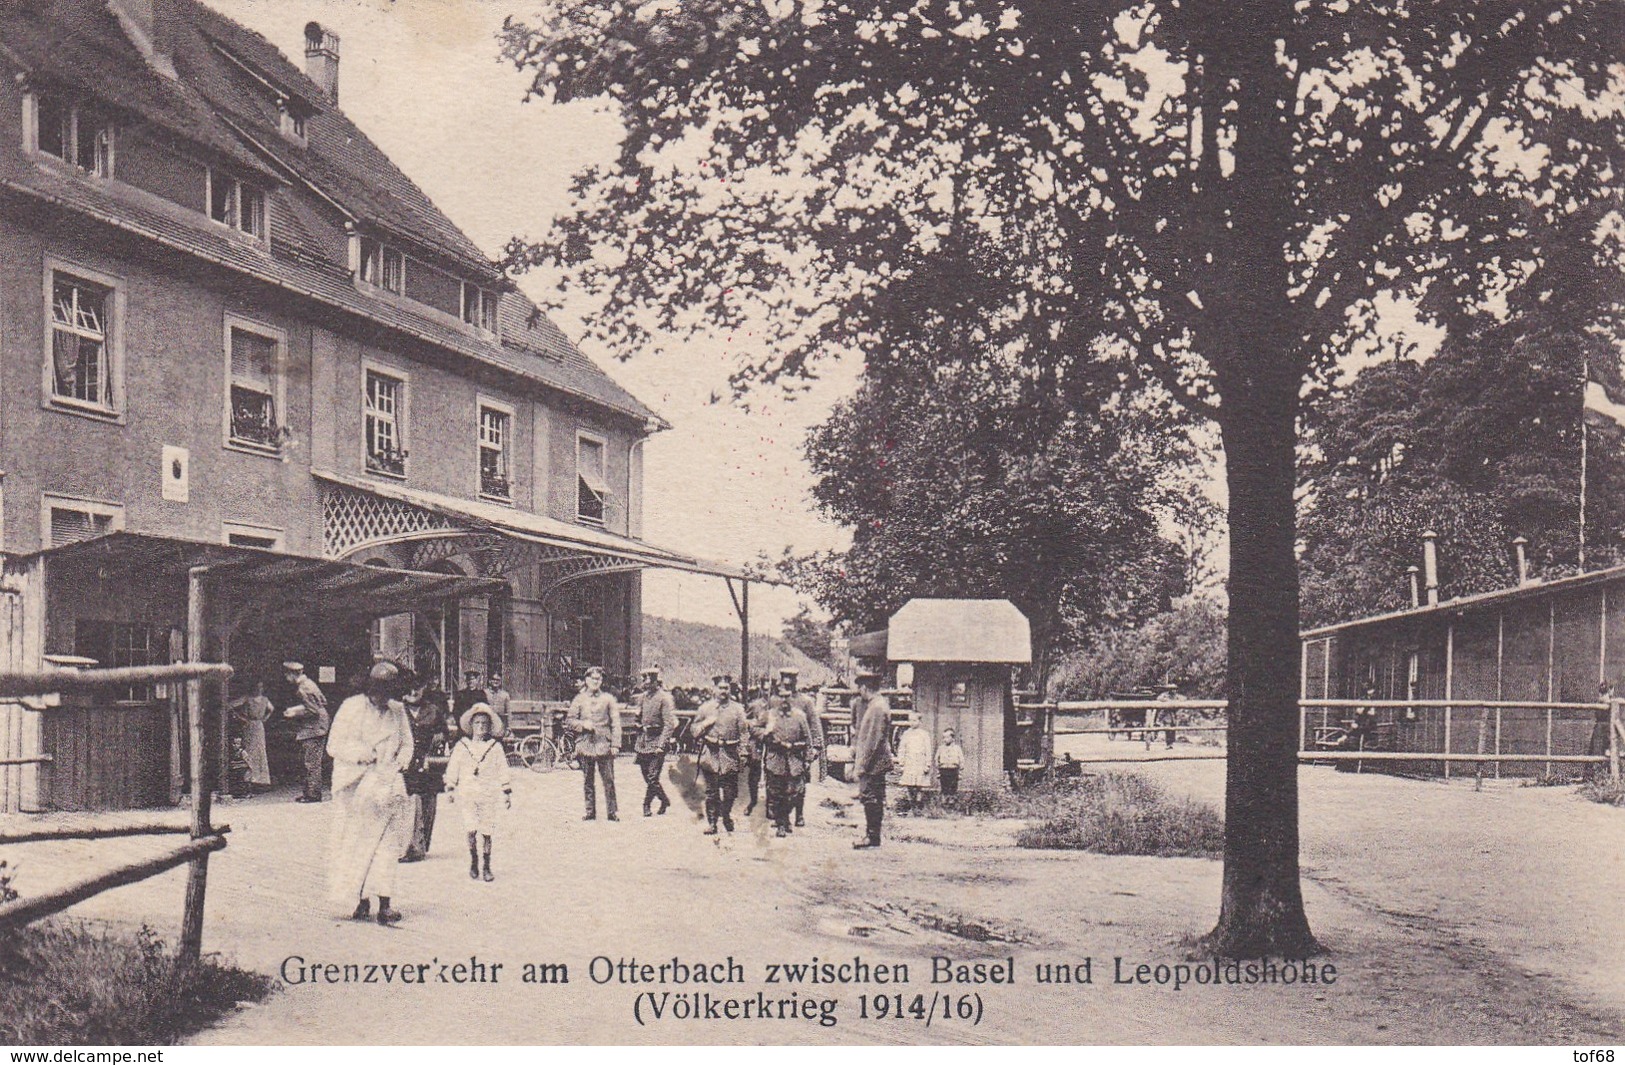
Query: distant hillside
689	652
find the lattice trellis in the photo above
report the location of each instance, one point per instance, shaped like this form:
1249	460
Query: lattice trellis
352	519
557	572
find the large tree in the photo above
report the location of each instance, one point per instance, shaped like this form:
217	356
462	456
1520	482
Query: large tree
960	476
1225	185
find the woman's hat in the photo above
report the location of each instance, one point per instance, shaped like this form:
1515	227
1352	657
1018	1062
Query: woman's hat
466	722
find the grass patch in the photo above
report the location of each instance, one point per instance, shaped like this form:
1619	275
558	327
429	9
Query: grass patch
1119	813
65	982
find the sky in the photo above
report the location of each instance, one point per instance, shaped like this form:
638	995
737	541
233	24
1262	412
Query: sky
424	81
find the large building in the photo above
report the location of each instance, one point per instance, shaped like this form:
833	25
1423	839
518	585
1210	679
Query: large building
245	359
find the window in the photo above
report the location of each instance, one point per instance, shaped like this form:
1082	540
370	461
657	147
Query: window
496	430
592	490
291	121
385	416
479	307
235	204
239	535
118	644
383	266
68	521
77	134
81	368
254	359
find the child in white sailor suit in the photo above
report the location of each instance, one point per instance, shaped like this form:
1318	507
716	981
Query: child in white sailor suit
477	780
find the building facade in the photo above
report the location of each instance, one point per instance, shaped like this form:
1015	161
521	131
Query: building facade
229	324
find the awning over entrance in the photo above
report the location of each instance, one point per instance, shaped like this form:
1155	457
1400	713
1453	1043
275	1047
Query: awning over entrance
348	528
273	579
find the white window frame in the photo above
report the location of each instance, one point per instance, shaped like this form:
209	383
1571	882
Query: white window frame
279	390
228	529
484	314
605	494
106	162
113	343
96	507
403	409
234	221
483	404
386	251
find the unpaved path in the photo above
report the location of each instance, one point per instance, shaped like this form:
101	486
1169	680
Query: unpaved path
654	888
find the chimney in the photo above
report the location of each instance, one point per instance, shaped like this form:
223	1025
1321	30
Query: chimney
1520	552
1430	566
150	25
1415	577
322	59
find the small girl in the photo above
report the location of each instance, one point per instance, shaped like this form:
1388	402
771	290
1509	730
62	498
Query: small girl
950	757
476	776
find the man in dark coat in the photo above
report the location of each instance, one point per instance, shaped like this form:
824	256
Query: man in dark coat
720	728
871	754
311	714
469	695
657	719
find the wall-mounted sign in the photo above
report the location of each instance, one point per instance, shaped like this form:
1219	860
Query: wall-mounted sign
177	474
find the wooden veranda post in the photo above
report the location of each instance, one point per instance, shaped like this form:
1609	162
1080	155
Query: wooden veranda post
197	876
1616	732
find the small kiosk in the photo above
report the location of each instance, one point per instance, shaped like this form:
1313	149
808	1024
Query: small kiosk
962	651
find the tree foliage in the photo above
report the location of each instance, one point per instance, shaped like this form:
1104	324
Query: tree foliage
959	478
1225	188
809	635
1184	645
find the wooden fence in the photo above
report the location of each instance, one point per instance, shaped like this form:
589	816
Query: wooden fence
1133	719
206	838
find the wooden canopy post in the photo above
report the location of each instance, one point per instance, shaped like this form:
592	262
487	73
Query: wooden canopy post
741	600
197	876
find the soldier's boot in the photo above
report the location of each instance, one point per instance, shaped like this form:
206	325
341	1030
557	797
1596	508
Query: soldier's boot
871	817
710	816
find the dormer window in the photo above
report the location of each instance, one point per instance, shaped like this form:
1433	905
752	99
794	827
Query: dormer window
236	204
78	134
383	266
292	121
480	307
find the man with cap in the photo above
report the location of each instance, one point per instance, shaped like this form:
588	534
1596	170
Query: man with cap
789	681
657	720
311	735
371	745
497	697
785	741
465	698
595	719
721	730
871	754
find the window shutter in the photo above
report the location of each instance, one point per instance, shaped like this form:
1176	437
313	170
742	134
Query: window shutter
69	526
253	359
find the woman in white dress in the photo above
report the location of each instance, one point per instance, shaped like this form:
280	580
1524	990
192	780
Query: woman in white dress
478	783
251	712
914	753
371	745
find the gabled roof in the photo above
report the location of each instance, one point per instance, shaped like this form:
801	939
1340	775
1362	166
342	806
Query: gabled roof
213	106
959	630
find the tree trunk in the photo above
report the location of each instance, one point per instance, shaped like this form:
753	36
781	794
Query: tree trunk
1261	909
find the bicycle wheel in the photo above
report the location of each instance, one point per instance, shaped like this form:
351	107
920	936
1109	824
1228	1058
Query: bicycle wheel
536	753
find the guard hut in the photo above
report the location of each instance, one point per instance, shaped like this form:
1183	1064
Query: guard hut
962	651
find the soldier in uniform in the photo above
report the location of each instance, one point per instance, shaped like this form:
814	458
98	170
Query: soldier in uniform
789	680
871	754
595	719
657	719
721	730
785	742
750	753
311	713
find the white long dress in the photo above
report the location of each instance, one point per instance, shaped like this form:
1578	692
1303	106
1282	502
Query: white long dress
252	712
914	752
372	817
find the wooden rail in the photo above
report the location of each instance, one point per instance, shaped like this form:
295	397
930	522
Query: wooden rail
206	838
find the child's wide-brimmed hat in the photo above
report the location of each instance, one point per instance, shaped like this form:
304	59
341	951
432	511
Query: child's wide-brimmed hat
466	722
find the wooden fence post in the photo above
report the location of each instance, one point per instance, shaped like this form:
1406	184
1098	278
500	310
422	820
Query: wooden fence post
1616	730
197	876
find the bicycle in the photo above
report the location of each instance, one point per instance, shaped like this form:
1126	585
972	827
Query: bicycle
541	753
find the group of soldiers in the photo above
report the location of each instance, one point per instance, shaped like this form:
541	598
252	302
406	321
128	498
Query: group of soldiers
777	739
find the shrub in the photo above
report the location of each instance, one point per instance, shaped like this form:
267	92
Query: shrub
68	982
1601	789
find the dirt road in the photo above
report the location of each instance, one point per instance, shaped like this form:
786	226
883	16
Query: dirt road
1428	947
